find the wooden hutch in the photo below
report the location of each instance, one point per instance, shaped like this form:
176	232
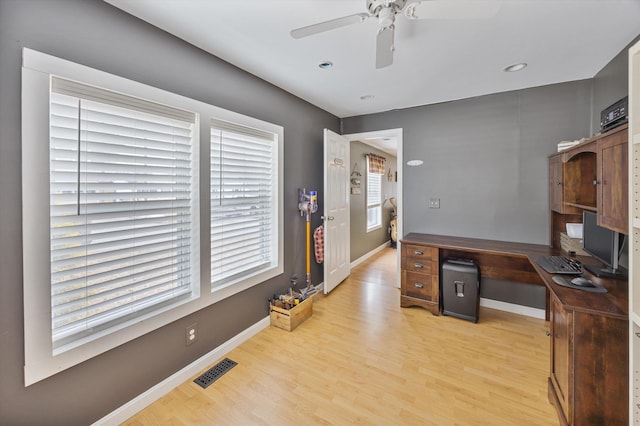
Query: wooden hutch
588	383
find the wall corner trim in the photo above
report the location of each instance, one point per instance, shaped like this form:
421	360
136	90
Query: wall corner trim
146	398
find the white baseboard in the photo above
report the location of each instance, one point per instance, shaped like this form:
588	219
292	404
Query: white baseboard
320	287
369	254
167	385
513	308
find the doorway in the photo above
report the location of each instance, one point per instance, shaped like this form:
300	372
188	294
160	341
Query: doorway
389	142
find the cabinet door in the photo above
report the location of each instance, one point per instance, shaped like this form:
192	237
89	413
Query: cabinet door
613	182
561	354
579	179
555	183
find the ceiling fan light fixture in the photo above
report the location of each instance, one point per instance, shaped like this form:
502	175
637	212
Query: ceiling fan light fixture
516	67
325	65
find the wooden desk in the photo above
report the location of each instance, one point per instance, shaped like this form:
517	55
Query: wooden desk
516	262
588	381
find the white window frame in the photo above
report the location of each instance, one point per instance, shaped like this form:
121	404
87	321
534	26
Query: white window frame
37	70
109	263
243	200
373	206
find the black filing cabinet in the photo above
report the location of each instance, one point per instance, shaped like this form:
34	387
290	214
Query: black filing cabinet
460	289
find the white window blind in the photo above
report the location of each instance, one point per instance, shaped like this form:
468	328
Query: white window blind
374	199
243	202
121	208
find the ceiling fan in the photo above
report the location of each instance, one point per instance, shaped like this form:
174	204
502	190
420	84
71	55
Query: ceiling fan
385	12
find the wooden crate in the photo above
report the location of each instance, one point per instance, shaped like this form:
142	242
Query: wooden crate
289	319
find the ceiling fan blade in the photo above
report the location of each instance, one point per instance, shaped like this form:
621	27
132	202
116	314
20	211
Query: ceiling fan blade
384	47
329	25
464	9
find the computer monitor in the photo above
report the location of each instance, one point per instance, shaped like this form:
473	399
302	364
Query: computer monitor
603	244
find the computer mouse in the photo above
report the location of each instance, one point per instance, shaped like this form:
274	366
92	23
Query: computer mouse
582	282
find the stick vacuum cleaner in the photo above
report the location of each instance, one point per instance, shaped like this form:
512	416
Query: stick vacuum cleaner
308	204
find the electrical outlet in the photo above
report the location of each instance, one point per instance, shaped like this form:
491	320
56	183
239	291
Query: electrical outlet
434	203
191	334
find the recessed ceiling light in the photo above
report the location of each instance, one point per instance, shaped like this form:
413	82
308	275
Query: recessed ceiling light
516	67
367	97
326	64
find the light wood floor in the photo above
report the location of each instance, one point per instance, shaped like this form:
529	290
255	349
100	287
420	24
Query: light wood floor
361	359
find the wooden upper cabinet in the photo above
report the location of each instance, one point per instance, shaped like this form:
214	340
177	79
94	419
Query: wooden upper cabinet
556	199
593	176
613	172
580	174
572	180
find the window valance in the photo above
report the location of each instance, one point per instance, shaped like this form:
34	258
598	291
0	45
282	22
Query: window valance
376	163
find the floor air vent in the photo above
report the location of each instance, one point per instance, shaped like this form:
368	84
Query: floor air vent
215	372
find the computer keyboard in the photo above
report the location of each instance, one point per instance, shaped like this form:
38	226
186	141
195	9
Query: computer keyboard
560	265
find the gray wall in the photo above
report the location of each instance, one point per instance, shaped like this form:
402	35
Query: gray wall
362	242
94	33
610	85
485	158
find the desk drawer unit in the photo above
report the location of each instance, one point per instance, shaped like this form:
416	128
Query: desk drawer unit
420	280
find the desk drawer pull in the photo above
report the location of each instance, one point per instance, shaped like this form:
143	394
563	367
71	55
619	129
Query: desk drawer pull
418	265
418	285
418	252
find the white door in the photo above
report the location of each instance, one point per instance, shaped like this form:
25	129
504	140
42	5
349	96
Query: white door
337	265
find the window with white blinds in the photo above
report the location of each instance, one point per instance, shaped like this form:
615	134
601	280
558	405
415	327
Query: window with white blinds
374	199
113	193
121	208
243	202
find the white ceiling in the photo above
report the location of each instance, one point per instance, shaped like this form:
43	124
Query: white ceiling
434	61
